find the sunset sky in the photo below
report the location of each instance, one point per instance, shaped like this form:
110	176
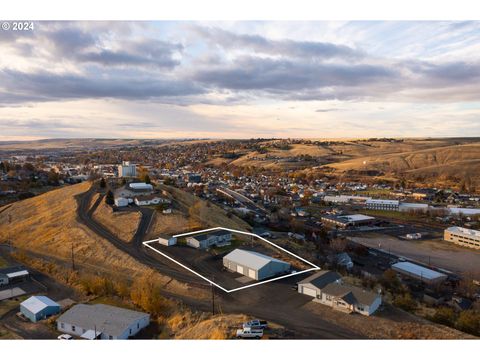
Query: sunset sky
240	79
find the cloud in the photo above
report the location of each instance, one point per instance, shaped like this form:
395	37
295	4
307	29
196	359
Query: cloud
290	48
46	86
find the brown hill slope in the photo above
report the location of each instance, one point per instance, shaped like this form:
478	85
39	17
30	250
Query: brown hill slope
449	164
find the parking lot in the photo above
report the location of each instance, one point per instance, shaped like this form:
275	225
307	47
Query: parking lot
209	263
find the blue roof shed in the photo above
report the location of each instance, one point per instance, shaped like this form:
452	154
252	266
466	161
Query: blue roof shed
37	308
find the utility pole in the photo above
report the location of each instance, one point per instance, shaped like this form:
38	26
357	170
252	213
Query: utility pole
213	298
10	233
73	259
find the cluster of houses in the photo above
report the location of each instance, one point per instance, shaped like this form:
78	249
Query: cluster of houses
140	194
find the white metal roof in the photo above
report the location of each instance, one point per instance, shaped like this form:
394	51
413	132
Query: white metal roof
140	185
464	231
356	217
36	304
251	259
412	268
17	273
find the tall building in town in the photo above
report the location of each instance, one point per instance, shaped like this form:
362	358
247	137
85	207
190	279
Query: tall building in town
127	169
462	236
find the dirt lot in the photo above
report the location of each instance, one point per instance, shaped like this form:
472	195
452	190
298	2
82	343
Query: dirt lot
209	263
439	253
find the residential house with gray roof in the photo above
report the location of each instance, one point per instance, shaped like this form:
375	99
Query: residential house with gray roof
100	321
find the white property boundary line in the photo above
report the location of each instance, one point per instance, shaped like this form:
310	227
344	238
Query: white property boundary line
314	267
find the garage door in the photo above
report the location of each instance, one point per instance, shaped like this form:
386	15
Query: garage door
251	273
240	269
309	292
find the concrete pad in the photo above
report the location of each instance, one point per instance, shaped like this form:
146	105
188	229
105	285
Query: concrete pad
244	280
11	293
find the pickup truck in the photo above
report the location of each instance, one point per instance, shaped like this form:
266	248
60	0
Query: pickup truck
255	324
248	333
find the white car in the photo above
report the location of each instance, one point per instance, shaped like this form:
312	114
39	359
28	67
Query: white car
65	337
248	333
255	324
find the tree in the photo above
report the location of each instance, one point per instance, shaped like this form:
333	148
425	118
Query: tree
338	244
109	198
146	294
390	279
444	316
405	302
53	177
146	179
103	183
469	321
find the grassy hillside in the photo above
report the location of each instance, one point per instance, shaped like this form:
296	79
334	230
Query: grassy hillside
122	224
47	225
446	165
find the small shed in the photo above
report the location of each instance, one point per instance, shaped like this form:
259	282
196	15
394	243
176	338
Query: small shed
37	308
167	242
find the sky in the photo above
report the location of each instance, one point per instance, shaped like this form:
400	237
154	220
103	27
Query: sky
240	80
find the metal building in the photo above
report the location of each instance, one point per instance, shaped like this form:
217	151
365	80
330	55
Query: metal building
254	265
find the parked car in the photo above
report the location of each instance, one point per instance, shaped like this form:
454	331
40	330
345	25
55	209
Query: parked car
249	333
255	324
65	337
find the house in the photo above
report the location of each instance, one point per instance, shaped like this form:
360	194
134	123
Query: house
350	299
344	260
121	201
144	200
204	241
100	321
37	308
313	285
13	274
414	271
254	265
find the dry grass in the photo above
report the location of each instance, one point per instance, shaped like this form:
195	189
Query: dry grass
205	214
194	325
121	223
165	225
47	224
390	323
444	165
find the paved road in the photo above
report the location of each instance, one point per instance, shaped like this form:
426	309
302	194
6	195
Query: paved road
275	302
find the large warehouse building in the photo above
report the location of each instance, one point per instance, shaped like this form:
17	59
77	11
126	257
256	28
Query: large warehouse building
254	265
418	272
463	237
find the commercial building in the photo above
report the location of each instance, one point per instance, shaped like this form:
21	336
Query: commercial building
13	274
313	285
414	271
127	169
214	238
121	202
381	204
37	308
343	199
463	237
254	265
100	321
344	221
140	187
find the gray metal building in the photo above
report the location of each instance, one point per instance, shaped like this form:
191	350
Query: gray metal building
100	321
254	265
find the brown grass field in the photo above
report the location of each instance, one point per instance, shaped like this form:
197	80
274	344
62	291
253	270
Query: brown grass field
122	224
